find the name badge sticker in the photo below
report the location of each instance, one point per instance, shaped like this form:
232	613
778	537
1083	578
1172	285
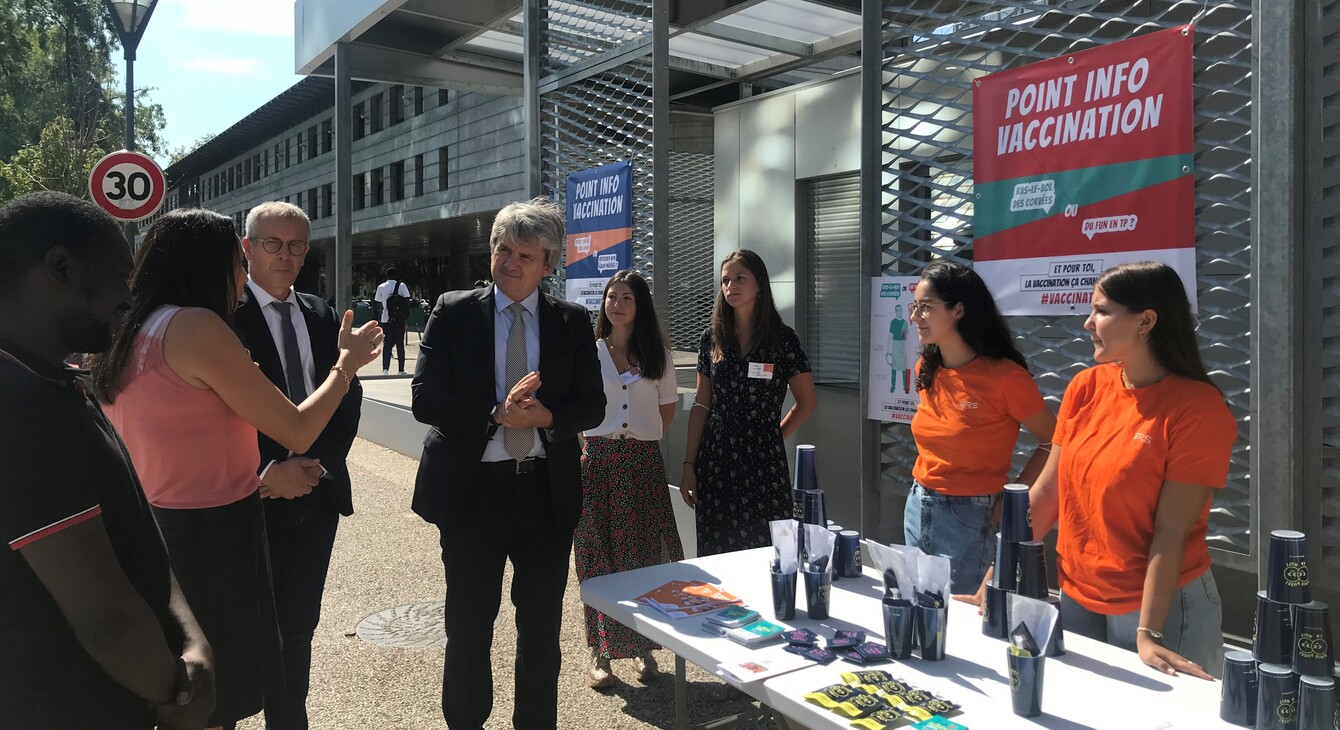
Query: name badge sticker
761	370
632	376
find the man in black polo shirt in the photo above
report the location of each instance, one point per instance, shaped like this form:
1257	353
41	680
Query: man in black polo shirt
93	629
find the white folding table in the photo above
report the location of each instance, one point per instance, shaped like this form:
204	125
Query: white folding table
1094	685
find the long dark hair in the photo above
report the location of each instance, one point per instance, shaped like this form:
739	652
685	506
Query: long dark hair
1152	285
766	335
648	343
188	259
981	327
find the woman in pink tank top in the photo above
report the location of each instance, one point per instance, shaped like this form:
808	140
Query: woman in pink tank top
188	401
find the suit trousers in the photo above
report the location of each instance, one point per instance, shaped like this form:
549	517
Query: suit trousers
302	534
509	517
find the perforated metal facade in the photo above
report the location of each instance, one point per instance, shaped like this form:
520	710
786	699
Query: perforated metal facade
591	116
691	270
931	58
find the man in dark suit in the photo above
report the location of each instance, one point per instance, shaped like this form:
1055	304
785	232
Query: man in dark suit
507	377
292	337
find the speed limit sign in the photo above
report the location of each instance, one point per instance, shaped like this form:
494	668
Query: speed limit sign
128	185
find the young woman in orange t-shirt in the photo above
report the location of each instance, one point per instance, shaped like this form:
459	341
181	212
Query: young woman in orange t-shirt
975	392
1142	441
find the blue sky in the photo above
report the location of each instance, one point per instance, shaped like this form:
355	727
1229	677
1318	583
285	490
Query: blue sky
212	63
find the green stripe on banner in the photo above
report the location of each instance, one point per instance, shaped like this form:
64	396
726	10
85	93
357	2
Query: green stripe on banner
1082	186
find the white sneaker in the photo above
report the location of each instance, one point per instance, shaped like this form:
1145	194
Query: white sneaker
386	372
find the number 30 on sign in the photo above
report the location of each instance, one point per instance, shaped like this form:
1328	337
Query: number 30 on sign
128	185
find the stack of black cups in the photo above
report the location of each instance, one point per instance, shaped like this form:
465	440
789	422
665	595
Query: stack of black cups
1286	682
1021	567
805	479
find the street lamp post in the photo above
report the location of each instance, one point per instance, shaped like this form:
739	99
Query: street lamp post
129	18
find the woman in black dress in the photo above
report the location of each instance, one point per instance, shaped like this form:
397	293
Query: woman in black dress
735	472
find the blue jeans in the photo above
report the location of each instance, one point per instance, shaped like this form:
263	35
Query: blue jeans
1193	627
959	528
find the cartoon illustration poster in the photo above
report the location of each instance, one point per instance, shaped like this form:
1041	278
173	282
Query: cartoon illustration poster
894	348
1081	163
599	228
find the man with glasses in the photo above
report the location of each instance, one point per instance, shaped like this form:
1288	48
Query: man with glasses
292	337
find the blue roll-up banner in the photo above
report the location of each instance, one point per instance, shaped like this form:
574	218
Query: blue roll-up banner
600	230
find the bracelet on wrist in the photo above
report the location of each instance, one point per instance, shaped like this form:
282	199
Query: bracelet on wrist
1152	633
343	375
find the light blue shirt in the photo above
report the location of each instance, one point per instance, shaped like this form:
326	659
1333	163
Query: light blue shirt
502	329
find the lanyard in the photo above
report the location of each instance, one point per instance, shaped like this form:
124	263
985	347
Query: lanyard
75	384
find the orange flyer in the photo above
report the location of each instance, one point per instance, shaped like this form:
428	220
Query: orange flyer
684	598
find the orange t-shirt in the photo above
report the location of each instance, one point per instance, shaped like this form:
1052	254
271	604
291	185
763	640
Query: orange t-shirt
967	423
1118	446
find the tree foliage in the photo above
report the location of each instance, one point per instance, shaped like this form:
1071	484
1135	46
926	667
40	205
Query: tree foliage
61	99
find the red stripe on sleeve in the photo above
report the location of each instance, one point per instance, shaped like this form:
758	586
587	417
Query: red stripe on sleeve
55	527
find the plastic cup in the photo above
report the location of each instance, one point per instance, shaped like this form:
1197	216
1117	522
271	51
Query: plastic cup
1031	574
784	595
818	587
815	514
1316	703
996	613
1237	693
1026	684
1016	523
1276	698
1056	644
1272	642
1286	573
848	549
931	625
899	622
1006	574
1312	653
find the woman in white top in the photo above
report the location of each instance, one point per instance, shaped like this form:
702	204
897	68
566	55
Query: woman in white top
626	520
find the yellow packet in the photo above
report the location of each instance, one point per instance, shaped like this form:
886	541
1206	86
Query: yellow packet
885	719
871	676
833	695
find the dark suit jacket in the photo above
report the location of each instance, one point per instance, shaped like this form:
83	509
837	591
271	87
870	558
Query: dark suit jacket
454	392
332	446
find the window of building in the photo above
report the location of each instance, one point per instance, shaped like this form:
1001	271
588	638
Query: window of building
832	270
327	197
442	178
360	122
327	136
299	201
397	181
301	145
311	142
418	175
257	172
357	197
312	211
265	162
378	191
442	97
246	172
375	113
288	153
418	100
397	104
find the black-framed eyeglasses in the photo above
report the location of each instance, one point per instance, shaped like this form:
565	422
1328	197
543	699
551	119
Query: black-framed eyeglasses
296	247
923	307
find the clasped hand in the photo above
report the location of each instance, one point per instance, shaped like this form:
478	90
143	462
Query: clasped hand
291	478
521	409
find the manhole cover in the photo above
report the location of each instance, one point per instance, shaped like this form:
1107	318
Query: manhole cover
416	626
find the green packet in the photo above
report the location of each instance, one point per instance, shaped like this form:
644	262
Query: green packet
846	700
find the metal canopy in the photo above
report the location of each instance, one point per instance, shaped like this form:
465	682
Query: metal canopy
717	47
